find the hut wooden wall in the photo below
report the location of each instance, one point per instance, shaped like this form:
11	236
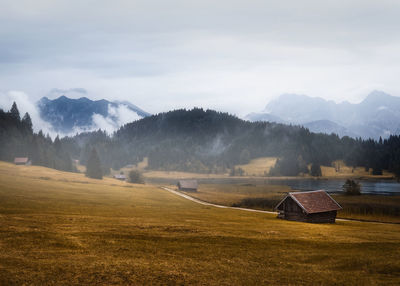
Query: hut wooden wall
290	210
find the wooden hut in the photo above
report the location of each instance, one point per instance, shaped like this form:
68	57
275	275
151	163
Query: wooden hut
188	185
120	177
313	206
22	161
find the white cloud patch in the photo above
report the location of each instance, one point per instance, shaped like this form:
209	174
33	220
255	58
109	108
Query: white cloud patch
70	92
25	104
123	114
117	116
103	123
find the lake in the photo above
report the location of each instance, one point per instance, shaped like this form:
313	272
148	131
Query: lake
377	187
381	187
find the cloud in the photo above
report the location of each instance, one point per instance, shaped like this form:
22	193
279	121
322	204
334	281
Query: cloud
70	92
123	114
25	104
117	116
230	55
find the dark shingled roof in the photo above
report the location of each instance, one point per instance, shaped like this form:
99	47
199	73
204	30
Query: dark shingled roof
314	201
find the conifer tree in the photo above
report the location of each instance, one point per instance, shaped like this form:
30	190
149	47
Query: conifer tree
14	111
57	144
93	166
27	121
316	170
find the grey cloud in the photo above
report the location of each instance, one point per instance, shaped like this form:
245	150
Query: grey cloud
75	90
161	54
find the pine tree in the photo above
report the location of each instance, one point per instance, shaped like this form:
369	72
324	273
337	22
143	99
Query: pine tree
316	170
14	111
57	144
351	188
27	121
93	166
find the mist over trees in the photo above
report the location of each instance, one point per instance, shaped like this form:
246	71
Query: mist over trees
196	140
18	140
93	166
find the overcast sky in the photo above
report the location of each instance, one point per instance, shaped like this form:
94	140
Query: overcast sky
231	55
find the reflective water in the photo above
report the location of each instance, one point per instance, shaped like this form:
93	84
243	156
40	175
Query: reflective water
367	187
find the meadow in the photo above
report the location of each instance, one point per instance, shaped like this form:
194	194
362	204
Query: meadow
378	208
256	169
59	228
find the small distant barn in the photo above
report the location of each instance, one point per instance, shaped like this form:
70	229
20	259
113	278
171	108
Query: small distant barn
22	161
188	185
313	206
120	177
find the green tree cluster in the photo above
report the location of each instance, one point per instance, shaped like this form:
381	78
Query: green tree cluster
135	177
352	188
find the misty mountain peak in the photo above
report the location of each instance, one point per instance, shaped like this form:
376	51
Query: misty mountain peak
377	115
379	97
67	115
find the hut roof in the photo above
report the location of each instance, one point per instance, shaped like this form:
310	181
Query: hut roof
120	176
21	160
314	201
188	184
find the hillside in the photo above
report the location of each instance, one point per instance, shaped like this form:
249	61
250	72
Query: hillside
62	228
207	141
197	140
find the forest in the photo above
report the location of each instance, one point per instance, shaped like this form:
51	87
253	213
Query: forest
196	140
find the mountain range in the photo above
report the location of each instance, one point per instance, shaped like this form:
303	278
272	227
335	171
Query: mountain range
67	115
378	115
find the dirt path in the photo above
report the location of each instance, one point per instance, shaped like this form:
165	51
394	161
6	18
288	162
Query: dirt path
251	210
213	205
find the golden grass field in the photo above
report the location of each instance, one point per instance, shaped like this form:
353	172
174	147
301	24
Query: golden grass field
260	168
230	194
266	197
60	228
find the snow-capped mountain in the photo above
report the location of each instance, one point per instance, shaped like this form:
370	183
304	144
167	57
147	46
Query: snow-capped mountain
378	115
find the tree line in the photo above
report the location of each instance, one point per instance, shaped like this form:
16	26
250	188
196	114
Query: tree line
17	139
197	140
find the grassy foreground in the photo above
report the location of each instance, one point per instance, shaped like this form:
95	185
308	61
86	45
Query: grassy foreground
62	228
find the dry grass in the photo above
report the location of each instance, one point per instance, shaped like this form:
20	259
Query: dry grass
370	207
259	166
232	194
340	170
61	228
176	175
266	197
141	166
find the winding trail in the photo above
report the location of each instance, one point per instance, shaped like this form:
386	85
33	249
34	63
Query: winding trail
213	205
252	210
